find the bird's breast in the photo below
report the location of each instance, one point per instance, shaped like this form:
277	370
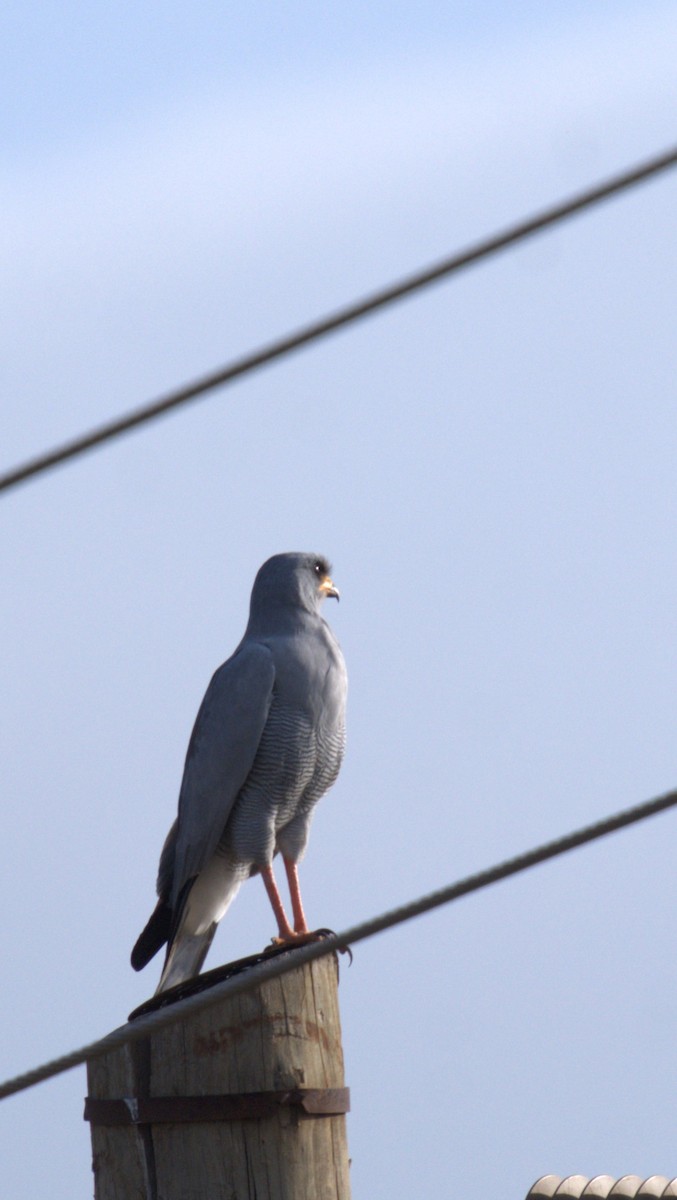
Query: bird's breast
297	761
301	747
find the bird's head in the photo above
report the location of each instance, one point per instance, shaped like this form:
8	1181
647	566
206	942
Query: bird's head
296	580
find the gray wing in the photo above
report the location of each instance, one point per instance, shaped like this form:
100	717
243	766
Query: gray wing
220	755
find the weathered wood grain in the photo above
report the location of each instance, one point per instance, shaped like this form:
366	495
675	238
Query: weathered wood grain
285	1034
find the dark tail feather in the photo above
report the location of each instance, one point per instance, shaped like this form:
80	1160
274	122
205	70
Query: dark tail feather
154	936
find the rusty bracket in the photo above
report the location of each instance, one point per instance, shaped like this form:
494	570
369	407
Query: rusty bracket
155	1110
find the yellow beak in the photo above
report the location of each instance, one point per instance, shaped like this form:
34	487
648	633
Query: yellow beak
327	588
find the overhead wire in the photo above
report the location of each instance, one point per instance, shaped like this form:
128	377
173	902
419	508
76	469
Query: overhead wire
340	318
150	1023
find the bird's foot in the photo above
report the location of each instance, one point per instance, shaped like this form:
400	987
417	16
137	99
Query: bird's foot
295	938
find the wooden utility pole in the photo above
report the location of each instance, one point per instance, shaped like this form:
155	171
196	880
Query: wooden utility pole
239	1100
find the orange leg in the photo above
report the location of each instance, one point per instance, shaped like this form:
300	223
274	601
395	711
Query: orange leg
300	925
285	930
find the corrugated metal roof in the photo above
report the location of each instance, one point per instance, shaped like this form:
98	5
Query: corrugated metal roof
603	1187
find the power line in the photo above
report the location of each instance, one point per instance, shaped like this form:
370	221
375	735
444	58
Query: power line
341	317
145	1025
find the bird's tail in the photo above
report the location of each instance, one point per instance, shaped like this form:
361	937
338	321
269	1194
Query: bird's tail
210	896
185	957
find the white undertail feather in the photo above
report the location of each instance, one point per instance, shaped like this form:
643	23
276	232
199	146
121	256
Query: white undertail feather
208	900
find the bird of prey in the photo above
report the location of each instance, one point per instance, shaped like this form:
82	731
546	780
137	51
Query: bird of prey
266	745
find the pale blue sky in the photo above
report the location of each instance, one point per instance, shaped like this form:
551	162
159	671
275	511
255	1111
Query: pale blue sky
490	468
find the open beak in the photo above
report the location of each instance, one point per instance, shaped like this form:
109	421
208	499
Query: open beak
327	588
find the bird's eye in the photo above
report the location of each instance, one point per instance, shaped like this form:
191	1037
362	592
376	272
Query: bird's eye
318	568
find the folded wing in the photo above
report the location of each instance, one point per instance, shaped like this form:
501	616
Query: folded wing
221	753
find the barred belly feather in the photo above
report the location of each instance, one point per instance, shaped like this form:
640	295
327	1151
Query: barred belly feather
294	767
